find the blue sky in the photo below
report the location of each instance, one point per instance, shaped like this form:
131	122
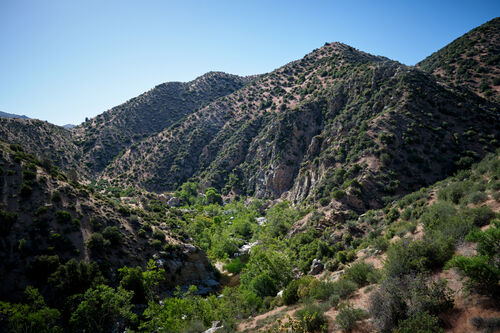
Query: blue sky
64	60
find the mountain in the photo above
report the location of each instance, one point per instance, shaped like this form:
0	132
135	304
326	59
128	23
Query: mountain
49	219
11	115
106	136
50	143
472	61
337	183
68	126
338	125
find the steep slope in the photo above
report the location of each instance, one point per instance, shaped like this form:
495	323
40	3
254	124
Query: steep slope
337	125
166	160
46	221
107	135
50	143
472	60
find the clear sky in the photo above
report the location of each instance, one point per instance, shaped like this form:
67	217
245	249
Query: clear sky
64	60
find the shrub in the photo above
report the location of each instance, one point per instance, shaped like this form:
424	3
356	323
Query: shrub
29	175
56	197
401	297
480	216
7	220
482	270
438	213
235	266
158	234
405	256
42	267
453	192
290	293
25	190
212	196
263	285
420	322
362	273
348	317
75	277
477	197
113	235
380	243
132	280
312	318
63	216
156	244
344	288
97	243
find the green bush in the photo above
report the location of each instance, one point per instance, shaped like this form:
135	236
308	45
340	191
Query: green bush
311	318
483	269
63	216
380	243
477	197
132	280
290	293
29	175
348	317
362	273
97	243
158	234
480	216
405	296
235	266
75	277
113	235
263	285
420	323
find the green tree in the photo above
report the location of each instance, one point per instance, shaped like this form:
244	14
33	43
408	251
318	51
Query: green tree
213	197
103	309
34	316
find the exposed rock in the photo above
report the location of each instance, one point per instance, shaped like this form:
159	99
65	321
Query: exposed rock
246	248
174	202
316	267
261	220
216	325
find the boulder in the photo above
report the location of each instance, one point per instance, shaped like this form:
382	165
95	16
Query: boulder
216	325
174	202
316	267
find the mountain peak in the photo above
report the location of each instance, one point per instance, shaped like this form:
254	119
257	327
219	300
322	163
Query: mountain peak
471	61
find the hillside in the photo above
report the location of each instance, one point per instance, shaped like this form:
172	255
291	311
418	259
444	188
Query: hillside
50	143
472	61
338	125
340	192
47	220
106	136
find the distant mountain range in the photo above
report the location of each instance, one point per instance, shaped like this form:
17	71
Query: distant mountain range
12	115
